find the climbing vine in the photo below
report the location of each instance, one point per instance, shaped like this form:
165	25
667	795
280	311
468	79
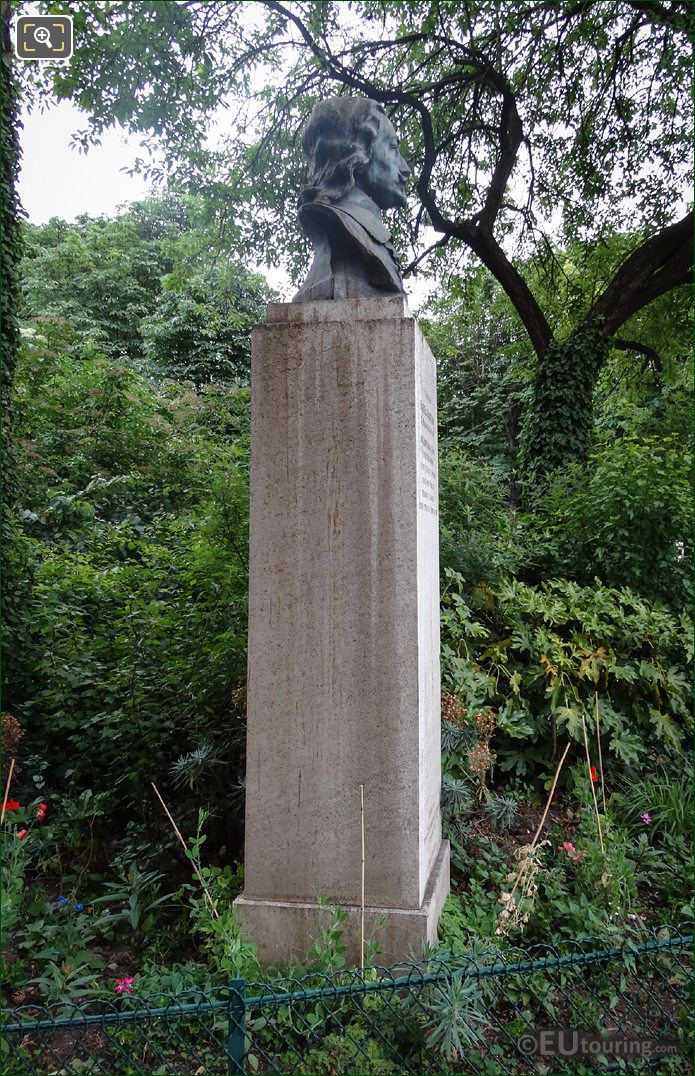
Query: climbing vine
560	419
10	247
10	254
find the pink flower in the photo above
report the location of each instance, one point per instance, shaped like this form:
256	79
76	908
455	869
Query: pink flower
571	850
125	985
22	834
646	818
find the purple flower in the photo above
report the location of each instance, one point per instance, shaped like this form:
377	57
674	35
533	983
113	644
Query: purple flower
646	818
79	907
61	900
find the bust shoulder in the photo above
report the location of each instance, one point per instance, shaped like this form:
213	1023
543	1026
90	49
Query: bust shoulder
353	253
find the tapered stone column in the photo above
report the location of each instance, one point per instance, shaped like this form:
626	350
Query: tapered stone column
343	679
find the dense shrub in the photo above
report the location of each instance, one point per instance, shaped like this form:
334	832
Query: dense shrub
130	564
540	654
479	537
626	517
128	655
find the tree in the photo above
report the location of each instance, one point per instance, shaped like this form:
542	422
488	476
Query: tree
201	328
146	286
11	250
485	358
10	293
513	115
99	274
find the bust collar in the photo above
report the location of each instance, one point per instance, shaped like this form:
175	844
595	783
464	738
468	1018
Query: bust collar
365	211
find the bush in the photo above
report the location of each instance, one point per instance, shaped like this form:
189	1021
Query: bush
626	517
479	537
540	654
130	561
128	655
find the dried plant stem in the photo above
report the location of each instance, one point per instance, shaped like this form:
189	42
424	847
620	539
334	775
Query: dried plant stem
593	790
177	831
362	876
600	756
542	821
7	790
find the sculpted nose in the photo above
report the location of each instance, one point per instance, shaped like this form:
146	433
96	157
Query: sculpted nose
405	168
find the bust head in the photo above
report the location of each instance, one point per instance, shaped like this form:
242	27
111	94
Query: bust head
350	142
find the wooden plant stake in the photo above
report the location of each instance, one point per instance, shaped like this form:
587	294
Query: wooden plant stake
593	790
600	756
362	876
7	790
177	831
542	821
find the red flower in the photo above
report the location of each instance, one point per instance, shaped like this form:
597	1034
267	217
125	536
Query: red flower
594	775
43	807
22	834
12	805
41	815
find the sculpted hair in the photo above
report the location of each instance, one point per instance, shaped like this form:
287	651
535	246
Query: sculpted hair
338	140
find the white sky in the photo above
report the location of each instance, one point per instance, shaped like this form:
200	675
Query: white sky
57	181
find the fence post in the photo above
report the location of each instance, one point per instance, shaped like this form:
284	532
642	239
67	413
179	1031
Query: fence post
236	1037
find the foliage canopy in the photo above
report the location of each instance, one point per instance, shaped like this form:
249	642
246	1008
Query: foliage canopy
519	119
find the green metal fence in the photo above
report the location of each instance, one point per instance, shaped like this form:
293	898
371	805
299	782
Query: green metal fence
581	1007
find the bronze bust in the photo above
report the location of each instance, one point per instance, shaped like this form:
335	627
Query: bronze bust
355	170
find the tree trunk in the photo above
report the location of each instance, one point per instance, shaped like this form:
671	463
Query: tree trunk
10	238
559	422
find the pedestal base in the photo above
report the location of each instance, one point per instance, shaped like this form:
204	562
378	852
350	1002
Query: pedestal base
285	930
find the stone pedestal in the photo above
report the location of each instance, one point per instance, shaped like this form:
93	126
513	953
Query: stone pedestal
343	683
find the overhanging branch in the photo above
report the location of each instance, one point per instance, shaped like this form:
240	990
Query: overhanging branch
651	355
661	263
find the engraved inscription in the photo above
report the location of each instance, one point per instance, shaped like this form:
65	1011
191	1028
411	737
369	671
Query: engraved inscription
428	494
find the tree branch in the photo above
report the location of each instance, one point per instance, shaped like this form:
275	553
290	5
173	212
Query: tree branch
662	262
651	354
517	290
677	16
511	135
421	257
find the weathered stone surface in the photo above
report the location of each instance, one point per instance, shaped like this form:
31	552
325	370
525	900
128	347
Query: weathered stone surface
344	683
282	929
